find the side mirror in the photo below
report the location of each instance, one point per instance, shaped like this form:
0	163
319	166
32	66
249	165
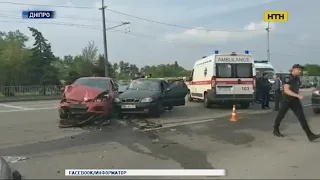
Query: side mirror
190	78
63	89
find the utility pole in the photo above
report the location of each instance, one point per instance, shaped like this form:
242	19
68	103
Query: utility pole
103	7
268	42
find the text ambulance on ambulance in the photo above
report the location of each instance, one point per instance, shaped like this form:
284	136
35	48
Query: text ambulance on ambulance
223	79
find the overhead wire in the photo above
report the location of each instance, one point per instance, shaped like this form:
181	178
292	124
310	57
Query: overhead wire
125	14
140	35
67	17
44	5
114	11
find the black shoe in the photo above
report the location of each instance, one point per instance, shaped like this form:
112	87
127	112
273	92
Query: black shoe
277	133
313	137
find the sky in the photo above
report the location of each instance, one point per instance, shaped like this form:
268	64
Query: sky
201	27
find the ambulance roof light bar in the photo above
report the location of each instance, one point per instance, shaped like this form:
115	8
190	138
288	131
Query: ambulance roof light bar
216	52
246	52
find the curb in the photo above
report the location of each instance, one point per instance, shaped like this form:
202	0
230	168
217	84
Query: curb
2	100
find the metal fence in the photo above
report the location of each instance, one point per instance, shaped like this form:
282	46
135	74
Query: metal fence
52	90
15	91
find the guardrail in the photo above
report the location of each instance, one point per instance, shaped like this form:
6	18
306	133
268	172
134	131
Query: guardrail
8	93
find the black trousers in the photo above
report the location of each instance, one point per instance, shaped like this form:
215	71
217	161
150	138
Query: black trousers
296	107
265	98
277	99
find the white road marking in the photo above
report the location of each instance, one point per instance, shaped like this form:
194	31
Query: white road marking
15	107
177	124
28	109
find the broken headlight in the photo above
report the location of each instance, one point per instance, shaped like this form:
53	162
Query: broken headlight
102	97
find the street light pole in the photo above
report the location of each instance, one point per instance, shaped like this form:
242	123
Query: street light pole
104	27
268	42
103	7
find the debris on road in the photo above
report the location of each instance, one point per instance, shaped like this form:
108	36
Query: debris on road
145	124
95	121
15	159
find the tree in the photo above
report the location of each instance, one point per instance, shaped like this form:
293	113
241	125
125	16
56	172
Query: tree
90	52
20	65
312	69
41	60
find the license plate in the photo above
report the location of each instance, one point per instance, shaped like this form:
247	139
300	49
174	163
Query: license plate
128	106
224	89
78	106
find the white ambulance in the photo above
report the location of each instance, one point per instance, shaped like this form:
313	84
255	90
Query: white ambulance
265	67
223	78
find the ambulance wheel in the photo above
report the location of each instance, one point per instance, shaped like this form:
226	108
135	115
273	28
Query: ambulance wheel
245	105
189	96
207	103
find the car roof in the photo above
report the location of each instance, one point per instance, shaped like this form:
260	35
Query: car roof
149	79
106	78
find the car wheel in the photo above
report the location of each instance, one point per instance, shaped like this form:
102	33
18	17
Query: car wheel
16	175
189	97
63	115
156	112
207	103
316	110
245	105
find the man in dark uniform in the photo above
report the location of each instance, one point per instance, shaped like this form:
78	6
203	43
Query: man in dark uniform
258	90
276	88
265	89
291	100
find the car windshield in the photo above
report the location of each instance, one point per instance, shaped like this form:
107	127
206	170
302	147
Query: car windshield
145	85
94	83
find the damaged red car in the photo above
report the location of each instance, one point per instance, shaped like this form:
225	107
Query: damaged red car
87	97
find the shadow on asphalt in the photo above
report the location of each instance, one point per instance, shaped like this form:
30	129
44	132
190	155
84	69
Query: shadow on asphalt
220	130
224	131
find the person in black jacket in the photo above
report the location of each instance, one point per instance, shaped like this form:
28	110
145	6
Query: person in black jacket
265	89
258	89
292	100
276	88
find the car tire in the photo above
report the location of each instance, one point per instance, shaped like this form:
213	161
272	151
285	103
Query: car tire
316	110
156	112
245	105
16	175
206	101
120	115
63	115
189	96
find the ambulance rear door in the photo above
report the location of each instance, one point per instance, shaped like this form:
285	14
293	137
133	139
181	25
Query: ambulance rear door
234	75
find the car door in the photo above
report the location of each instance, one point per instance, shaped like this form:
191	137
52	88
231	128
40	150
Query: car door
175	93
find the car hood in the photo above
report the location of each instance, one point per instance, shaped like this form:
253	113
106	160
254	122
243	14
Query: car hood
81	93
138	94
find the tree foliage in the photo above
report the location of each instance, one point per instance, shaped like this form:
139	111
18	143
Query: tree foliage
37	65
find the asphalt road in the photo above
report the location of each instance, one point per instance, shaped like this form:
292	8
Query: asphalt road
191	137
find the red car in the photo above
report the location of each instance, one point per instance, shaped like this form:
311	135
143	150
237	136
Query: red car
88	96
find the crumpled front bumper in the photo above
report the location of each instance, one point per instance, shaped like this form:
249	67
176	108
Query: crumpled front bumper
86	108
